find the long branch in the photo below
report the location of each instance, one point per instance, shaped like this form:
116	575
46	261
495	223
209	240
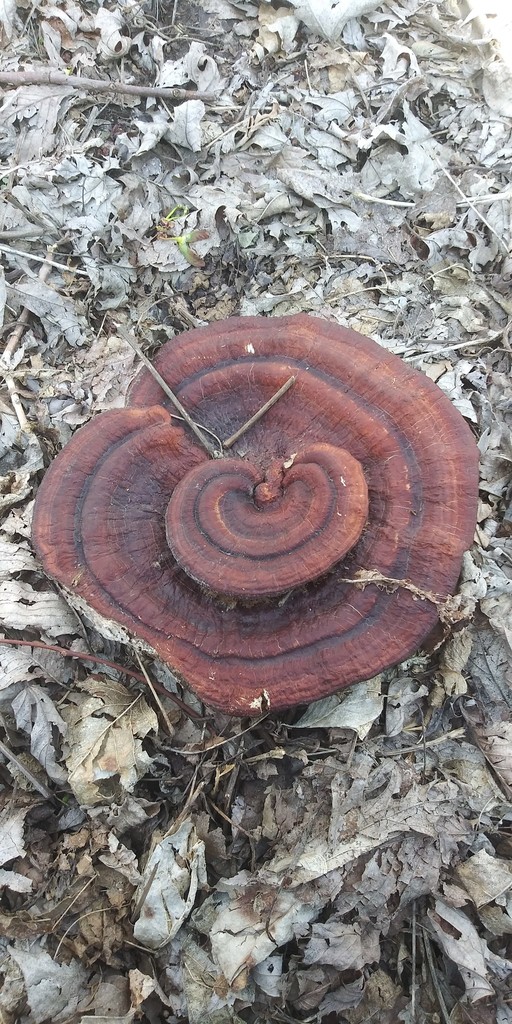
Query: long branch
81	656
46	77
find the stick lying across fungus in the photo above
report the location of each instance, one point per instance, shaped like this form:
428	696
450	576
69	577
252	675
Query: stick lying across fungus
233	570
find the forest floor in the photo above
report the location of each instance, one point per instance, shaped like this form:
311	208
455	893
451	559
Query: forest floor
352	861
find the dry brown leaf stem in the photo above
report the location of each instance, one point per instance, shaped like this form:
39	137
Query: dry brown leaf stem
435	980
40	259
261	412
80	656
151	687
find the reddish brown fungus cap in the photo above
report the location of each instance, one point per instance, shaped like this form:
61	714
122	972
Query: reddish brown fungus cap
235	569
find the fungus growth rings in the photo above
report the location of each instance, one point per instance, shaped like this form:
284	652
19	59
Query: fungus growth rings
234	570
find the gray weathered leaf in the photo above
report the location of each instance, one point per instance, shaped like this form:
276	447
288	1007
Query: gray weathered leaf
186	127
327	17
11	834
174	873
52	989
22	607
37	715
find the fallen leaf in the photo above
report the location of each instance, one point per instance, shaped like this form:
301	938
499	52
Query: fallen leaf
485	878
53	990
247	919
185	130
37	715
11	835
7	16
106	726
113	42
327	17
15	882
121	859
174	873
22	607
460	941
357	709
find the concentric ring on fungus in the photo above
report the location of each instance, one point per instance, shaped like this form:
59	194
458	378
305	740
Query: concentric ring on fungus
234	569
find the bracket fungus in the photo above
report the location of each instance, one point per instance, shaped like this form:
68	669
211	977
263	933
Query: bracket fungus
250	573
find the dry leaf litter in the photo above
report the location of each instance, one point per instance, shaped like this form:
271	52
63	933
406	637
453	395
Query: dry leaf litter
351	861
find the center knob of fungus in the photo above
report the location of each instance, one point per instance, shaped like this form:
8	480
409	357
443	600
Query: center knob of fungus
244	533
271	488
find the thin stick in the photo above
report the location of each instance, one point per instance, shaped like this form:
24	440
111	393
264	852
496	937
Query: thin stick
80	656
18	233
261	412
15	337
156	698
170	394
234	824
413	963
46	77
42	259
13	342
435	980
454	734
490	197
40	786
17	404
471	205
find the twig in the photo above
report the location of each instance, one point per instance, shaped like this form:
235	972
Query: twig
40	786
472	206
15	337
143	893
490	197
217	743
413	962
42	259
455	734
261	412
234	825
80	656
156	698
403	350
170	394
13	343
73	901
450	609
46	77
89	913
16	404
435	980
17	233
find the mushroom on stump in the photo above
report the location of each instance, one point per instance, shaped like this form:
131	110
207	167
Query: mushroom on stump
243	572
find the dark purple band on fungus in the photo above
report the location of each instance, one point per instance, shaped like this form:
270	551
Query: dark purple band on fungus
249	536
233	569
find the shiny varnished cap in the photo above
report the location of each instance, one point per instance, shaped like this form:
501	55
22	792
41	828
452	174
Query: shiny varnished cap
234	569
